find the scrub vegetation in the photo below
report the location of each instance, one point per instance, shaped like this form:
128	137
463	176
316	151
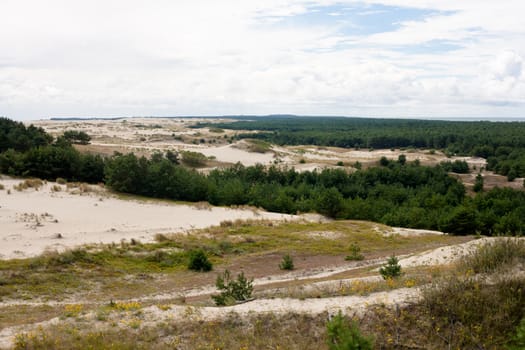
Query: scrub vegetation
158	295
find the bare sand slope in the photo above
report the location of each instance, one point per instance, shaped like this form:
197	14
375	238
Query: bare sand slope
32	221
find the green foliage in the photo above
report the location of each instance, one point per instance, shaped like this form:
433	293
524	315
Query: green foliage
286	263
344	336
458	166
478	185
384	161
259	146
18	137
355	253
232	290
392	269
75	136
330	203
502	143
193	159
518	340
198	261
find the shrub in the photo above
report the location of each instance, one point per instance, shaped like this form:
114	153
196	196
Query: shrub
392	269
232	290
199	261
476	313
342	336
355	253
75	136
286	263
478	185
518	341
61	181
491	256
259	146
193	159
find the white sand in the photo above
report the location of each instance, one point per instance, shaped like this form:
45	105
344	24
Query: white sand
31	220
444	255
230	154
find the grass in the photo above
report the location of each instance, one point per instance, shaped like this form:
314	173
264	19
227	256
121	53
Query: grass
290	331
129	268
494	256
457	310
258	146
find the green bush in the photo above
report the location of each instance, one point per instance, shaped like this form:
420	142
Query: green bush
199	261
232	291
355	253
342	336
518	341
193	159
392	269
286	263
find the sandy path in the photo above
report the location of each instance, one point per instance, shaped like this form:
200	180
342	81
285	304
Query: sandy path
30	221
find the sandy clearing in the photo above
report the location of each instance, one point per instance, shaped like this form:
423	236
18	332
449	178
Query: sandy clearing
408	232
30	221
231	154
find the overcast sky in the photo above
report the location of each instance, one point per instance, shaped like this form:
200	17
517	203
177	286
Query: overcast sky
392	58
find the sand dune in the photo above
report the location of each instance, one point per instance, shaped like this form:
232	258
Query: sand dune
32	220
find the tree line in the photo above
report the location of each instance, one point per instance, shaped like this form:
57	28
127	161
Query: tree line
501	143
397	193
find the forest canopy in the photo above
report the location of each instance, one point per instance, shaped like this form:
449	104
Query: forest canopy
501	143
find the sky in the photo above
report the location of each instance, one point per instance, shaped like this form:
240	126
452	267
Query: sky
370	58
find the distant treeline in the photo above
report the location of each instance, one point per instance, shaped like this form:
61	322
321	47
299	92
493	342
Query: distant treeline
501	143
397	193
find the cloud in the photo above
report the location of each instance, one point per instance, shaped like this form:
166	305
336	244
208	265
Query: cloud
403	58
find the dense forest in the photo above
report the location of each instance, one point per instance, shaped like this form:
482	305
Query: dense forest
501	143
397	193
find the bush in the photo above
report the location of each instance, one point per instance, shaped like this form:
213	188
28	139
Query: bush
199	261
518	341
193	159
75	136
355	253
286	263
342	336
232	291
392	269
492	256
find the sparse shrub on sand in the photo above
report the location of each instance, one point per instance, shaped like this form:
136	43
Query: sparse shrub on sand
29	183
392	269
355	253
232	291
2	187
61	181
198	261
286	263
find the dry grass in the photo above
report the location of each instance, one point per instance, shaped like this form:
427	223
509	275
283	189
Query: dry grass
36	184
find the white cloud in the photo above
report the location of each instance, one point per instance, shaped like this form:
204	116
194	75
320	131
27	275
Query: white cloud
137	57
